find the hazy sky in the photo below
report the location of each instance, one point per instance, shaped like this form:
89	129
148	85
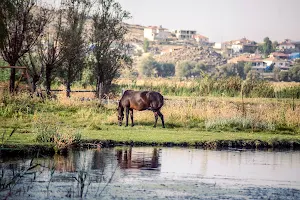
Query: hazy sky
221	20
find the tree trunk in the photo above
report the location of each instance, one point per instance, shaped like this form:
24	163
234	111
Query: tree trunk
12	80
48	80
68	90
35	79
100	91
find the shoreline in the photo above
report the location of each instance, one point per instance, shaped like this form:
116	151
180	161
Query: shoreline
19	150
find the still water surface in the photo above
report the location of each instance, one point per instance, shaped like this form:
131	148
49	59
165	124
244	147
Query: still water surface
154	173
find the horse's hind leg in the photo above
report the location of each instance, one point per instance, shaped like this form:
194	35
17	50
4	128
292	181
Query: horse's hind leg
131	116
156	117
162	118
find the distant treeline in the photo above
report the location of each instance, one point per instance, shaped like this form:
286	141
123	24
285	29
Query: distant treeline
149	67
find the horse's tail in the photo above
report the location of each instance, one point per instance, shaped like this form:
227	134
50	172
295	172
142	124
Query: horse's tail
161	102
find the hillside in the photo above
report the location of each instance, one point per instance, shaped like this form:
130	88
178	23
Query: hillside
177	50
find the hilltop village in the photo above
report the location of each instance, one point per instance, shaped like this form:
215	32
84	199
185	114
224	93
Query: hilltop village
267	60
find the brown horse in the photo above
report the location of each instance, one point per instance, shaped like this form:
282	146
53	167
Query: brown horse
140	100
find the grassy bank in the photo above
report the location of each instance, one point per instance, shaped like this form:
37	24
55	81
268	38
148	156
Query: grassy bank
206	121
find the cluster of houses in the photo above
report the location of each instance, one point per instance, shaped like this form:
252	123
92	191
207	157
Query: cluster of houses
242	50
246	51
160	34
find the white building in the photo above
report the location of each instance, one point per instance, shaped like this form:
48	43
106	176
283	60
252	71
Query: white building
286	45
278	63
201	39
185	34
153	33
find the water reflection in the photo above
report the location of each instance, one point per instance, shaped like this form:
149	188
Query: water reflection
90	171
138	158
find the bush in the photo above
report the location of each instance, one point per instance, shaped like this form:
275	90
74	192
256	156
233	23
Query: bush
49	130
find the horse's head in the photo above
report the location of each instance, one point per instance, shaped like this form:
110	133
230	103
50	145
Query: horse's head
120	115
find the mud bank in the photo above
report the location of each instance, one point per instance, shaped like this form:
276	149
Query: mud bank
23	150
219	144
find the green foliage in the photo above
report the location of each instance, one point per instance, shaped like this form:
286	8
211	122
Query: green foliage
267	47
146	45
16	106
229	70
4	73
48	129
294	73
189	69
148	66
165	69
283	76
258	88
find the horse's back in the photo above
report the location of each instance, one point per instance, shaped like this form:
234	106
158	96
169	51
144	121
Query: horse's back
142	100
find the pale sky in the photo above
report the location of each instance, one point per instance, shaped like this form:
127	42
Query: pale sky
221	20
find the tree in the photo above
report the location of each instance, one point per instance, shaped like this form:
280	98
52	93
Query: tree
267	46
165	69
148	66
49	49
6	11
32	62
274	45
23	28
72	42
110	53
184	69
146	45
230	70
283	76
294	73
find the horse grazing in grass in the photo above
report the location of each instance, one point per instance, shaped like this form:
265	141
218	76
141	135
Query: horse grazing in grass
140	100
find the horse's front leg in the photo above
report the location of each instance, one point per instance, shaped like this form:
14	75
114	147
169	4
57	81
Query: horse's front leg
156	117
127	113
131	116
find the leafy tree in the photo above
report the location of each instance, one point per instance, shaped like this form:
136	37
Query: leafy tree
32	62
72	42
146	45
165	69
247	68
149	67
253	76
294	73
230	70
283	76
49	49
110	53
274	45
22	28
184	69
267	46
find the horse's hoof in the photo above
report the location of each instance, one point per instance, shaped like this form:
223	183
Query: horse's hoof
164	127
132	125
154	126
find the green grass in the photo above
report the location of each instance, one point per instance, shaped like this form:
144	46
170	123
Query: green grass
97	123
159	136
178	136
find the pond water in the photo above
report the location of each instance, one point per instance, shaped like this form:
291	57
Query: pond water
153	173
